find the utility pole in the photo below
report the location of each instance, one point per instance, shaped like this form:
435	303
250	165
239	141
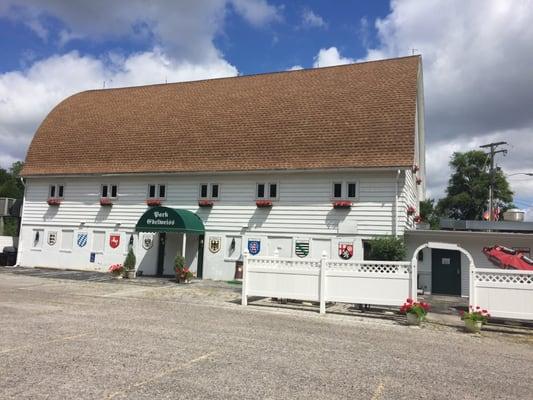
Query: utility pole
492	152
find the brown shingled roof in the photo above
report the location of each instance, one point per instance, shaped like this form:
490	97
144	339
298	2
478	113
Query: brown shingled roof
351	116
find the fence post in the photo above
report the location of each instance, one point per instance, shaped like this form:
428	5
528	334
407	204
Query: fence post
322	283
472	285
244	295
414	280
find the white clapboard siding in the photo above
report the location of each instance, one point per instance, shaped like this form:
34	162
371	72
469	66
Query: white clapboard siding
304	203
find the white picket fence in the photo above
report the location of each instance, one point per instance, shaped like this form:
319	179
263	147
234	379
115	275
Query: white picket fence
386	283
504	293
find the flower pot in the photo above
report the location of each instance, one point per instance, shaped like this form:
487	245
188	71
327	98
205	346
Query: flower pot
130	274
413	319
182	280
118	276
473	326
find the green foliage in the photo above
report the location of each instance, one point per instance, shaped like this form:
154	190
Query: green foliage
129	263
10	226
388	248
179	263
467	194
429	213
10	184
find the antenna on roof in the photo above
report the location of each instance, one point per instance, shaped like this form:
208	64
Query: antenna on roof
413	51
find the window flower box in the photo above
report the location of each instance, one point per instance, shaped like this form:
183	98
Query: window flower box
153	202
415	168
263	203
342	204
417	219
411	210
53	201
106	202
205	203
418	181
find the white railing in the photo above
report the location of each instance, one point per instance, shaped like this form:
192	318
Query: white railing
504	293
371	282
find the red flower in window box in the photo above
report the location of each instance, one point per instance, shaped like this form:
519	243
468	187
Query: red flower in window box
106	201
153	202
263	203
205	203
416	168
411	210
418	181
417	219
342	204
53	201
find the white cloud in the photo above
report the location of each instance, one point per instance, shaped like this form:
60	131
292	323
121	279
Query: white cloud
27	96
295	68
312	20
477	76
330	57
257	12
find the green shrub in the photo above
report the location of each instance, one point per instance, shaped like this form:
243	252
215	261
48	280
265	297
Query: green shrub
179	263
129	263
387	248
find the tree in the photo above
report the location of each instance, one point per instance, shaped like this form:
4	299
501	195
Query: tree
10	184
467	194
429	213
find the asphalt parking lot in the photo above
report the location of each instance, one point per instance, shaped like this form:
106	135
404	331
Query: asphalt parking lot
90	337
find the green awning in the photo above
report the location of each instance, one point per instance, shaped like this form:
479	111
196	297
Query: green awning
164	219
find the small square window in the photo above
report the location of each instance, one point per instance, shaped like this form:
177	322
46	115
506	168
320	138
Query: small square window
162	190
151	191
114	191
337	190
203	191
60	191
352	190
104	191
214	191
273	190
260	190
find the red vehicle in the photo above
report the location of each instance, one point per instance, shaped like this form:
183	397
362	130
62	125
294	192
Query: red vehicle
507	258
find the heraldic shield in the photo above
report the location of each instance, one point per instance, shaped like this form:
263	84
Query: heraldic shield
345	250
254	247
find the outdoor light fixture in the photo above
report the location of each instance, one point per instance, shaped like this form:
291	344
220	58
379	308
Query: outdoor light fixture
232	246
131	241
37	237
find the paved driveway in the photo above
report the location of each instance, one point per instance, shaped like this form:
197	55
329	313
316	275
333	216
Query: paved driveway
92	339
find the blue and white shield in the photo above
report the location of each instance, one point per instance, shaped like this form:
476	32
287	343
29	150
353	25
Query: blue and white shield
82	239
254	247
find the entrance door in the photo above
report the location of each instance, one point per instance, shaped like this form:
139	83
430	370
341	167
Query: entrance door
161	253
200	265
445	272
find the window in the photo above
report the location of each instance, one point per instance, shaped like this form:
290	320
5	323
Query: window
209	191
267	191
337	190
157	191
56	191
344	190
109	191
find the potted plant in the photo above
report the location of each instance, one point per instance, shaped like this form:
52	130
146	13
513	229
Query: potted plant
411	210
474	319
183	273
415	311
117	270
263	203
342	204
129	265
53	201
106	201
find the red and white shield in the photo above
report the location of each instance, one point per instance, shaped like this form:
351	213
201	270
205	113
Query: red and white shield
114	241
345	250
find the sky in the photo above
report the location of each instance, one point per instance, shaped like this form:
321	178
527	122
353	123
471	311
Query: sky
477	59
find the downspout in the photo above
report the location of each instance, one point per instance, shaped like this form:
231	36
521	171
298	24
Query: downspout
396	198
19	243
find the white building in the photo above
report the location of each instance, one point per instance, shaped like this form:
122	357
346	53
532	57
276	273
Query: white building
299	161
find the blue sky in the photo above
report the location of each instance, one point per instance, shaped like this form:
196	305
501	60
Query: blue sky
477	58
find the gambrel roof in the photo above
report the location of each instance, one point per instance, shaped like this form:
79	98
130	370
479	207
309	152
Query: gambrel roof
351	116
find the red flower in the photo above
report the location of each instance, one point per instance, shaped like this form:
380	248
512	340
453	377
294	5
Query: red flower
263	203
409	300
484	311
478	307
342	204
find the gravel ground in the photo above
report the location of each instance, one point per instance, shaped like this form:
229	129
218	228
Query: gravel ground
65	338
